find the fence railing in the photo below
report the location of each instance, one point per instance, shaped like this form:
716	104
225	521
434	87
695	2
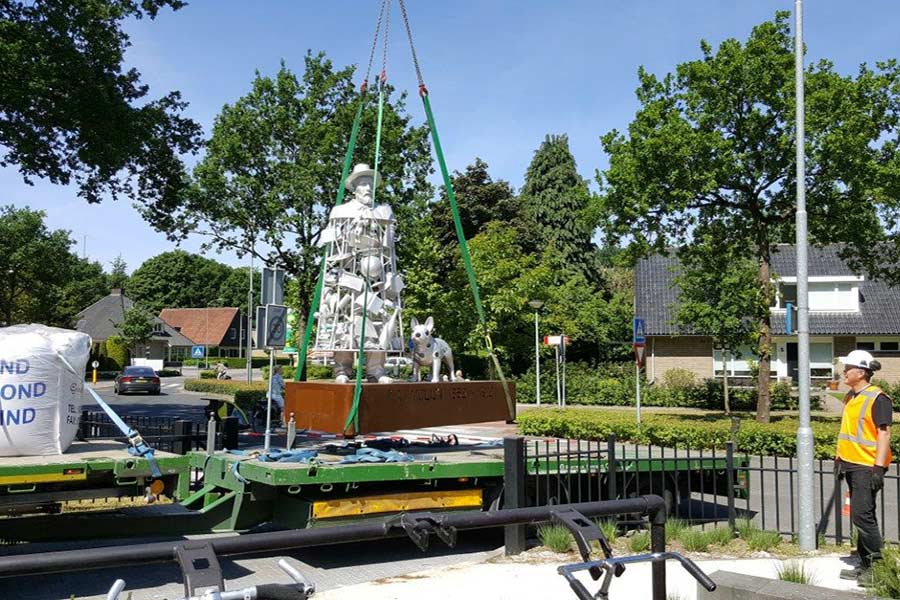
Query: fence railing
167	434
705	487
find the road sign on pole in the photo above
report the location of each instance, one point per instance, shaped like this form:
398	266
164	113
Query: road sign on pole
272	291
275	325
198	351
640	354
638	335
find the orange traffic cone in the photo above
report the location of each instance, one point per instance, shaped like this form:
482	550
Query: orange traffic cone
846	509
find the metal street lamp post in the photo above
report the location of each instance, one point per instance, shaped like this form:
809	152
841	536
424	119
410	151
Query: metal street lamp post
536	305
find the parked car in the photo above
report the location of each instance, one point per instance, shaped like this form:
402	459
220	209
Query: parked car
137	379
398	361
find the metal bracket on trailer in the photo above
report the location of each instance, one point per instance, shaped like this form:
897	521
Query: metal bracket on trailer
419	526
585	531
199	567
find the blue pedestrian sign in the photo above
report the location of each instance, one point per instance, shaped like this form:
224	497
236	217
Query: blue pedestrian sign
638	329
197	351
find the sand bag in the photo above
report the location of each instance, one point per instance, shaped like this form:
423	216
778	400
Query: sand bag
41	387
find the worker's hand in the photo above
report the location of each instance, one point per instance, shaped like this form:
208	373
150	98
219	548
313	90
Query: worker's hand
838	472
878	478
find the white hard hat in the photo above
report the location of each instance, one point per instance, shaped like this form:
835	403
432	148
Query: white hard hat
361	170
861	359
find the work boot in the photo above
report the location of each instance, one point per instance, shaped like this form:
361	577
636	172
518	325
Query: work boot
851	573
866	578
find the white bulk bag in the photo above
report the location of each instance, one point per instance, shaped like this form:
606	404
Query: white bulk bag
41	387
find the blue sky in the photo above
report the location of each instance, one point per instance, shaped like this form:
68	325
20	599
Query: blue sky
501	74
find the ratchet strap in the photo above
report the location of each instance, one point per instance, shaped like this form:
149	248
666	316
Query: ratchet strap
138	446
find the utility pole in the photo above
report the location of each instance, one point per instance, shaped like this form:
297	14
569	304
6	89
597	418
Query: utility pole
804	433
249	329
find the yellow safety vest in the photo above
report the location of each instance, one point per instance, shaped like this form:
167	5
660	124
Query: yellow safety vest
856	441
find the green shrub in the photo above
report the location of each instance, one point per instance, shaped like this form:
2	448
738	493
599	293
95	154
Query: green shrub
778	438
244	394
720	536
795	572
207	374
609	528
168	373
237	363
116	353
886	573
763	540
555	537
744	528
639	542
675	528
679	379
695	540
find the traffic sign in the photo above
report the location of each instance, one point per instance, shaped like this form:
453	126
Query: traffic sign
276	325
556	340
640	354
198	351
272	291
639	337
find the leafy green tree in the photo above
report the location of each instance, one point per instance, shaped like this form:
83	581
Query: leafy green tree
273	166
118	276
713	145
177	279
554	199
137	329
35	264
719	296
233	290
86	283
69	113
116	349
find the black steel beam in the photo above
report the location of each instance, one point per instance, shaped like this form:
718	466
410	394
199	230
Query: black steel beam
94	558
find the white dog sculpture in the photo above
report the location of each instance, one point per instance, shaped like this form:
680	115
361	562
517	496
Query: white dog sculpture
428	350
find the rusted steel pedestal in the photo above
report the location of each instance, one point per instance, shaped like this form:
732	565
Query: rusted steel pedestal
324	406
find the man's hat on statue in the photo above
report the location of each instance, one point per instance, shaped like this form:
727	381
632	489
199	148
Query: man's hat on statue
361	170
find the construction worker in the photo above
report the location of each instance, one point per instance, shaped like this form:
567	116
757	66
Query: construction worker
863	456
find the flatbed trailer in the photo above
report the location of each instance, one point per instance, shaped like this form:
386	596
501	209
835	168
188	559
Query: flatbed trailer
237	491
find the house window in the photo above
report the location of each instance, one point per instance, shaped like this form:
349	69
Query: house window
890	346
233	333
865	346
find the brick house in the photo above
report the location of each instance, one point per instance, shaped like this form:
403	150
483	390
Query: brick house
847	311
224	329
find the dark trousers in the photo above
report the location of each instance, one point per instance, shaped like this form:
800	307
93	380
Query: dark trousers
862	510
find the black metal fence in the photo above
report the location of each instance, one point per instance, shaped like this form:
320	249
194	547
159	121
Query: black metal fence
705	487
167	434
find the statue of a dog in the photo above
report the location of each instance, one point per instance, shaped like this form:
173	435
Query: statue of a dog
429	350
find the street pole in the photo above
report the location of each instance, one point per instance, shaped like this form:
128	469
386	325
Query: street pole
804	433
536	305
249	317
269	399
537	359
562	342
637	384
558	388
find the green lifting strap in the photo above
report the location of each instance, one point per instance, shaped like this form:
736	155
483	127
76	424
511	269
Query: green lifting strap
353	415
464	247
300	373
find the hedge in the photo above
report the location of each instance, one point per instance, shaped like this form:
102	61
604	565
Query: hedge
695	431
116	353
237	363
612	384
245	394
314	372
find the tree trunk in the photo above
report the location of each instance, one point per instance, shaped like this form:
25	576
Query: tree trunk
725	380
763	404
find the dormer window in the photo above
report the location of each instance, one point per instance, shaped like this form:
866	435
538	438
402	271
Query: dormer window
826	294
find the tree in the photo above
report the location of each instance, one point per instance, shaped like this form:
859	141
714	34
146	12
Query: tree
86	283
233	290
712	146
119	274
719	296
137	328
177	279
69	113
35	264
273	166
554	199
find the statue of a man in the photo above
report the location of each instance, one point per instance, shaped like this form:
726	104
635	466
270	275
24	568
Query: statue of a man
360	276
